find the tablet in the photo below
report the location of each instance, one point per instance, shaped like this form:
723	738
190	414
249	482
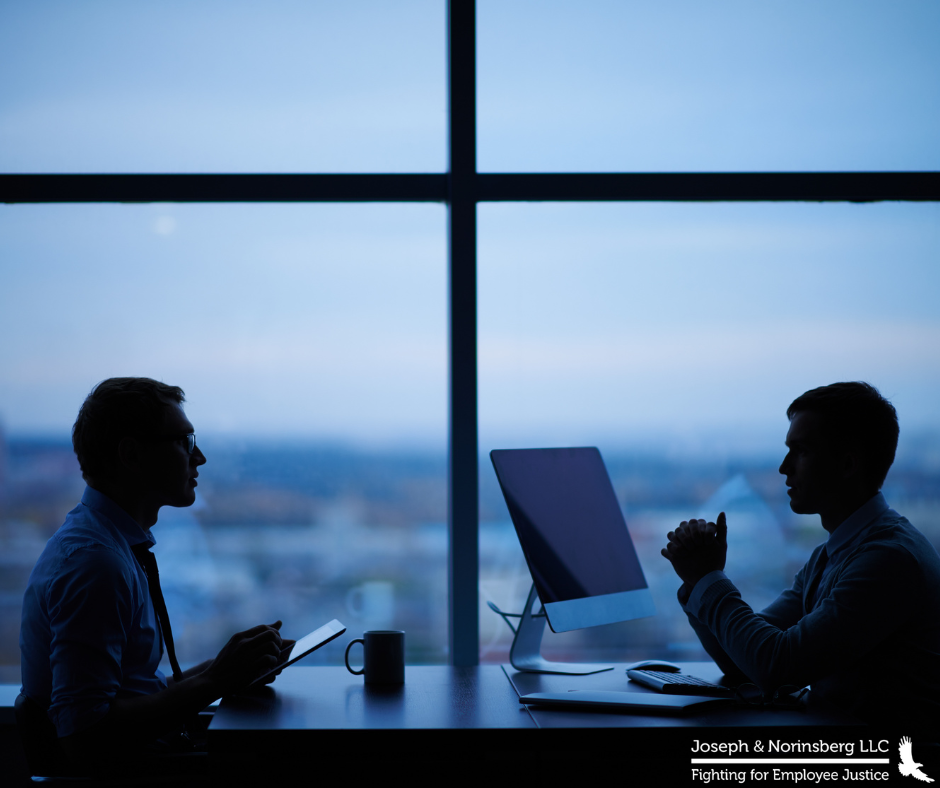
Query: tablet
306	645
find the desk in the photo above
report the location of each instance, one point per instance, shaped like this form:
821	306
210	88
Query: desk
328	698
440	713
469	715
812	713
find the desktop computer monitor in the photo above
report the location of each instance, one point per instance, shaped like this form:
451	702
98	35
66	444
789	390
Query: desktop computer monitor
573	535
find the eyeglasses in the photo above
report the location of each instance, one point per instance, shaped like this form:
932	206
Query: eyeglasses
189	438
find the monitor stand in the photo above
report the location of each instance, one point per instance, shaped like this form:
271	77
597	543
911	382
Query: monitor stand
525	654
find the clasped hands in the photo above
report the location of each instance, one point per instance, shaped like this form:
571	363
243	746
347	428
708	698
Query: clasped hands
696	548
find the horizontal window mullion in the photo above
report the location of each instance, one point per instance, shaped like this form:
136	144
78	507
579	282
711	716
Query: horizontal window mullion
707	186
224	188
487	187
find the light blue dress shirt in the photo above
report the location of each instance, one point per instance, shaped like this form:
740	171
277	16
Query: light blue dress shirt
89	633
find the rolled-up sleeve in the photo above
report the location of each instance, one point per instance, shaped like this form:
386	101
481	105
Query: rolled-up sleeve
91	610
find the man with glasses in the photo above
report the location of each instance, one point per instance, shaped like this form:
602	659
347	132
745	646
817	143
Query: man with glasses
861	622
94	623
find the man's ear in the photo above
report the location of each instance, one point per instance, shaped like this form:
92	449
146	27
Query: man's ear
128	453
851	464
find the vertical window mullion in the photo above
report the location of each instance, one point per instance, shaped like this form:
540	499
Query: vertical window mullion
463	462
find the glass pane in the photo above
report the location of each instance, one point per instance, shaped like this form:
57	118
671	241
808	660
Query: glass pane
311	343
683	86
673	337
216	86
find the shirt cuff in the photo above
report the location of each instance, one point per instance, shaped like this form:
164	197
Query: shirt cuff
694	603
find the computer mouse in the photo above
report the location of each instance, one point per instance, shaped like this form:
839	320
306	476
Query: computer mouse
655	664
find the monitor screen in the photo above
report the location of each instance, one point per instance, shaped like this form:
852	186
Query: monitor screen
573	536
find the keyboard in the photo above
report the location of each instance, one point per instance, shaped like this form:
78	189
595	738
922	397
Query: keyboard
678	684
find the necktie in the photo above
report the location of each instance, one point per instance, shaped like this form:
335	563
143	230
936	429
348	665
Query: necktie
814	585
149	563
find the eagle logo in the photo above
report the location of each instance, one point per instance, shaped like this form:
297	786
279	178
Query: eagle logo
907	767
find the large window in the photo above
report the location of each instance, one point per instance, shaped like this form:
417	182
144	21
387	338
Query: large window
310	340
683	86
303	261
215	86
673	336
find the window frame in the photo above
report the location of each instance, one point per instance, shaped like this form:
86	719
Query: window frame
462	188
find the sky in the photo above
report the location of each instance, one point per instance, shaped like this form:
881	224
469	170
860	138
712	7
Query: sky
599	323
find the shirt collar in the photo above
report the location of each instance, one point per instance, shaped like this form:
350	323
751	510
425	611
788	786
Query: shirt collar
127	525
855	523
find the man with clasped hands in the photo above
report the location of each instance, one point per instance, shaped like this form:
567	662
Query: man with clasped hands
93	633
861	622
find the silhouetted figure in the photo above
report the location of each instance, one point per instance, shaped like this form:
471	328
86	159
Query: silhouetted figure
94	622
861	622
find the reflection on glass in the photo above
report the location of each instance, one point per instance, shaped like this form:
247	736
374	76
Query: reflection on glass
311	343
674	337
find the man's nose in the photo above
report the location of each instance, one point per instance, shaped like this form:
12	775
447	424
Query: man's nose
198	457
